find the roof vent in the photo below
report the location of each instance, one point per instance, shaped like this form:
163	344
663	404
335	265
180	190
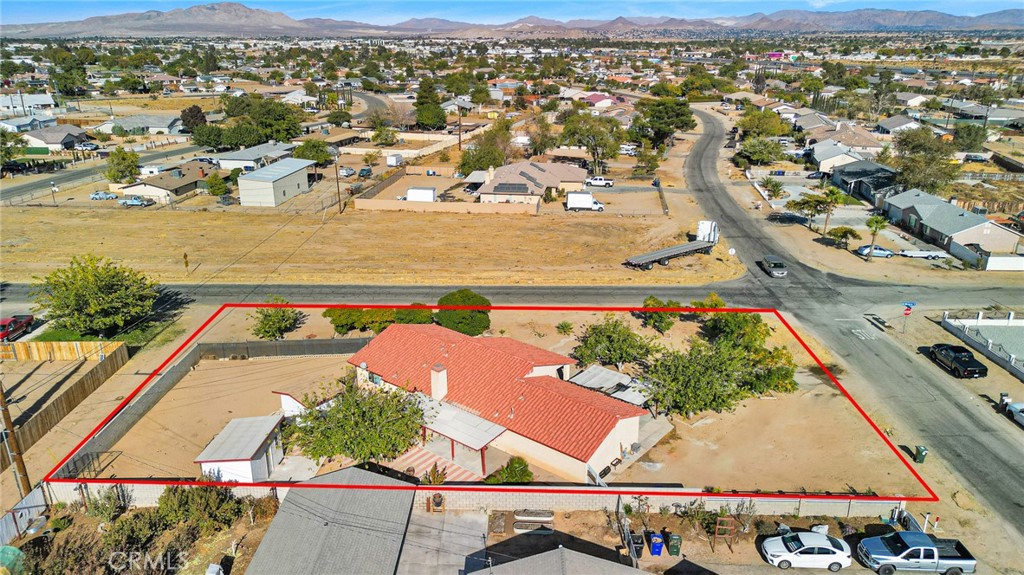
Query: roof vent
511	412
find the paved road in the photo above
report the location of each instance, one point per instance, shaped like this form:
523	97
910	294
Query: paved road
69	176
372	101
985	451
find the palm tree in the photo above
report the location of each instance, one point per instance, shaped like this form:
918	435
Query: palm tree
876	224
772	186
833	197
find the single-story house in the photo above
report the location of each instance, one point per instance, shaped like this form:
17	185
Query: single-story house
897	124
526	182
26	103
449	106
26	123
298	97
143	124
559	561
273	185
336	137
910	99
949	226
56	138
737	97
829	155
172	184
865	179
256	157
812	120
320	529
247	450
558	426
856	138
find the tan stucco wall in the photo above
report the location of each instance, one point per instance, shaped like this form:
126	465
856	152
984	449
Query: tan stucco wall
508	198
990	237
542	456
625	433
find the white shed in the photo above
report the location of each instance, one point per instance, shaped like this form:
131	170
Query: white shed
273	185
247	450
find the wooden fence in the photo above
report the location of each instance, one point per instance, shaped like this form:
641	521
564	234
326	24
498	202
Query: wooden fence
111	355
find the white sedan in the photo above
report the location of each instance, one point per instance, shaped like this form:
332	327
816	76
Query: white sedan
1016	411
807	549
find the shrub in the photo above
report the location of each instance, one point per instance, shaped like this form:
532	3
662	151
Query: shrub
109	504
210	508
265	508
60	523
134	532
564	328
469	322
765	527
414	315
515	471
273	322
444	156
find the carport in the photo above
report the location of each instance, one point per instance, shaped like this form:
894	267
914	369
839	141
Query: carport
460	428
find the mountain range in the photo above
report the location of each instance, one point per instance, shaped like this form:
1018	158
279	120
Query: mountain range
230	19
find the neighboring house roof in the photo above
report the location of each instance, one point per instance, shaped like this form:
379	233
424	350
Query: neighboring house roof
177	178
57	134
14	101
277	170
810	121
489	377
897	122
461	103
864	169
532	178
559	561
20	122
844	133
949	220
324	530
827	150
146	121
273	150
240	439
913	197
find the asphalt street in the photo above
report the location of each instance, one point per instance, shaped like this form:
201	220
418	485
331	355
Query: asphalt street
984	451
70	176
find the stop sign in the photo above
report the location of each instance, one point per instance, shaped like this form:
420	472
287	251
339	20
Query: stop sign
906	311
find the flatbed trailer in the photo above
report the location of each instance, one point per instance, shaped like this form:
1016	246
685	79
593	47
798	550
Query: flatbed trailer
707	238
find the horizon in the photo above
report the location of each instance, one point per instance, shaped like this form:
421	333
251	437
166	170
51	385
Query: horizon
490	12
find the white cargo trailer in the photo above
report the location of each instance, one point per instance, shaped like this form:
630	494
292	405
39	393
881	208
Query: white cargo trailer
394	160
421	195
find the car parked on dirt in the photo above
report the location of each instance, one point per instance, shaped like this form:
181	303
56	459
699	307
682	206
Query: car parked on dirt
101	195
346	172
599	182
226	200
15	326
958	360
917	552
365	172
807	549
876	251
136	202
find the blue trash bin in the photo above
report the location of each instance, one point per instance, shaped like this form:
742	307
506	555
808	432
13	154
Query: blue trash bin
657	544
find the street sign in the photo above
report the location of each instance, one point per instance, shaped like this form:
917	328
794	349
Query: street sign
907	311
909	303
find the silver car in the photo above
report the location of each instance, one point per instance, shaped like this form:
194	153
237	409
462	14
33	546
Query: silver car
774	266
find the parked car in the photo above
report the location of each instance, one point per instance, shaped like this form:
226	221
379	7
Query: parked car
774	266
815	175
15	326
807	549
917	552
365	172
227	200
958	360
136	202
101	195
599	182
87	147
346	172
876	251
1016	411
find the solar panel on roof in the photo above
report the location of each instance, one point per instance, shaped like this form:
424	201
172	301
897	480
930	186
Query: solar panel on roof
538	167
511	188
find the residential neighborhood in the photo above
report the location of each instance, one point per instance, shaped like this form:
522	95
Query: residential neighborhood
511	288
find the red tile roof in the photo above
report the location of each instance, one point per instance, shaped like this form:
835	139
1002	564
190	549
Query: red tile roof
488	377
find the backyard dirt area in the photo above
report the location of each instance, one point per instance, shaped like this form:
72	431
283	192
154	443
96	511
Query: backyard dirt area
357	246
210	396
32	385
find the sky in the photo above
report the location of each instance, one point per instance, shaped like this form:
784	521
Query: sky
483	12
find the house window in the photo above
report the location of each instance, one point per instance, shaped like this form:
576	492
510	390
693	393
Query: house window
375	379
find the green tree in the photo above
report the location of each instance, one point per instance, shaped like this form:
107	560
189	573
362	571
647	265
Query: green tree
431	117
875	224
215	185
924	161
660	321
273	322
480	95
427	93
646	161
490	150
208	136
612	342
541	136
365	424
122	166
467	321
969	137
315	150
809	205
242	134
384	136
831	198
705	377
842	235
93	295
339	117
415	316
193	117
758	124
12	145
515	471
600	135
760	151
663	117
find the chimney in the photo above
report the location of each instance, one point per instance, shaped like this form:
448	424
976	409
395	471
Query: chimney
202	173
490	175
953	200
438	381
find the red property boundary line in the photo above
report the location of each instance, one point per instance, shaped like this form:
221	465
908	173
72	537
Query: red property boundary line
932	496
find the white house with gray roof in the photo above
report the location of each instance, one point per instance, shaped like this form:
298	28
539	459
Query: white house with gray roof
275	184
255	157
247	450
26	123
142	124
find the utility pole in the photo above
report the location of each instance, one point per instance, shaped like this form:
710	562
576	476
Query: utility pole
458	112
337	183
13	449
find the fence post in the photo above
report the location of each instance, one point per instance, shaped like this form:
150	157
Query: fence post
981	315
1009	318
988	344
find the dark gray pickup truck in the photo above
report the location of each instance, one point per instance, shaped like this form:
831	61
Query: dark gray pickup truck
958	360
917	552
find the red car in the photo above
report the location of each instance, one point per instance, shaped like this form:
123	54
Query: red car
15	326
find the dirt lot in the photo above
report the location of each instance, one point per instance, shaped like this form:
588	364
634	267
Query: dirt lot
32	385
208	398
356	247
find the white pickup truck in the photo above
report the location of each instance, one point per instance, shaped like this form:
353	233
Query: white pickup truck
925	254
599	182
